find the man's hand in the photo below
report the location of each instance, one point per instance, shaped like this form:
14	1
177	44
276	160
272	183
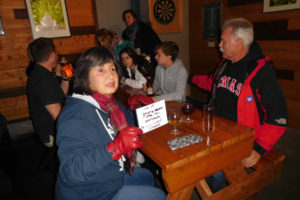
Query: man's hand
153	98
251	160
145	87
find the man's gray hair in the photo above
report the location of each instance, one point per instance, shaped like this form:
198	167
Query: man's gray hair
241	28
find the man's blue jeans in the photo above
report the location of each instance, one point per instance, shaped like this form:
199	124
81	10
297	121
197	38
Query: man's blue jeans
139	186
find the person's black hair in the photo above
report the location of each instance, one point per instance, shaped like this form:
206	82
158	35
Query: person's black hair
131	53
29	68
143	65
131	11
96	56
40	49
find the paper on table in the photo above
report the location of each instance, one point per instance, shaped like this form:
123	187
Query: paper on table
152	116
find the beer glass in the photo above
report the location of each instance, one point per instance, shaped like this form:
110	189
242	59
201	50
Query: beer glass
174	119
208	120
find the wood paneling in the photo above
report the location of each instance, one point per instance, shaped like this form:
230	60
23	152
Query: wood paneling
83	30
14	108
20	13
241	2
279	31
13	92
294	24
278	34
284	74
13	49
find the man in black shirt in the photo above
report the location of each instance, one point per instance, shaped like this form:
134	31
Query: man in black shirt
45	93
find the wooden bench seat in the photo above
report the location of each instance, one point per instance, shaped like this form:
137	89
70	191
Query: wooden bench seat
242	184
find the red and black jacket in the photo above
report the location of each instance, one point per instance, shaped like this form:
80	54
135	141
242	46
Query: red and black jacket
260	105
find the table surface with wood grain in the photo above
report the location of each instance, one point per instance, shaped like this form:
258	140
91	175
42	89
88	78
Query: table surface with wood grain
186	168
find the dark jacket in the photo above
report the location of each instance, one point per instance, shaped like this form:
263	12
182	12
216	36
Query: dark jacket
143	37
269	113
87	170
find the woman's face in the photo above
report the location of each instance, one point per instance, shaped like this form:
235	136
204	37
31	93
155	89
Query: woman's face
104	79
126	60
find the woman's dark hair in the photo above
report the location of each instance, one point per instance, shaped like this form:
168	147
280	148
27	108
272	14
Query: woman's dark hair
131	11
142	64
169	48
131	53
96	56
40	49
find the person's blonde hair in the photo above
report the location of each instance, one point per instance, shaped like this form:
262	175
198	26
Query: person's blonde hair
105	34
241	28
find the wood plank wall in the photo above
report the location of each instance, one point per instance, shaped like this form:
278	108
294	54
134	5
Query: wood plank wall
278	34
13	49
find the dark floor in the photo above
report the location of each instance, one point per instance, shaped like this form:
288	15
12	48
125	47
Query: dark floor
31	181
288	185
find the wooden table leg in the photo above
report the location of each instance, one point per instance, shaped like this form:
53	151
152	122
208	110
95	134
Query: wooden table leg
203	189
235	175
185	193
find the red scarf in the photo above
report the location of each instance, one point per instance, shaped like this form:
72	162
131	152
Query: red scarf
117	117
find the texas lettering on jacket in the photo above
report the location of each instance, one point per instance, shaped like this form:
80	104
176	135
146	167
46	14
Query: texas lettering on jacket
230	84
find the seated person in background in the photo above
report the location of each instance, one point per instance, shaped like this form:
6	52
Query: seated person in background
94	135
104	37
143	37
135	73
170	74
108	39
45	93
119	44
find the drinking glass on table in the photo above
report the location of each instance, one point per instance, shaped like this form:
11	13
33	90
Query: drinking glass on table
187	108
174	119
208	120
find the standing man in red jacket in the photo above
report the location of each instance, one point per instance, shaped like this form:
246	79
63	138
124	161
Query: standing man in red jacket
244	88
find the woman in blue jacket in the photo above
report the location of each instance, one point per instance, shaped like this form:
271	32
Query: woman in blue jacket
94	135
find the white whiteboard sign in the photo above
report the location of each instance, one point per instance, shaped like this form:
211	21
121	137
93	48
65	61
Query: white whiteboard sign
152	116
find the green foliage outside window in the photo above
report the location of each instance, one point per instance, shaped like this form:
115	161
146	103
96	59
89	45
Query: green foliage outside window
51	7
281	2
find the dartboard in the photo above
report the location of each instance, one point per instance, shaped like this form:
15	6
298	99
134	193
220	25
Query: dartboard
164	11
